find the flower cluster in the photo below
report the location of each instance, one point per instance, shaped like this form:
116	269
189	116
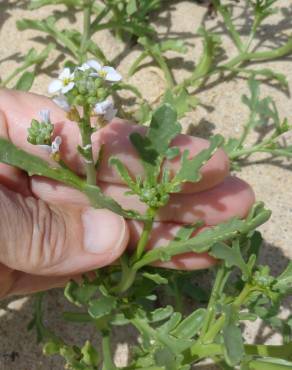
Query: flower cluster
40	133
88	85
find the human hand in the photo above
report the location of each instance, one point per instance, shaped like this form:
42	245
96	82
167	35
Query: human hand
49	233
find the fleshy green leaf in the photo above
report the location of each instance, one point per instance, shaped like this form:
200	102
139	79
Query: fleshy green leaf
203	241
122	171
284	281
232	336
79	294
153	146
231	256
132	7
90	355
190	326
269	364
190	168
102	306
182	101
25	82
174	45
156	278
161	314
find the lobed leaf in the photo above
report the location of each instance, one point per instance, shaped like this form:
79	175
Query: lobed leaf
232	336
190	168
190	326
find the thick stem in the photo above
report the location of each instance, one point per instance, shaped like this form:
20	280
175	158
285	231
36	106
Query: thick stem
215	294
218	325
86	30
108	363
148	224
167	73
86	131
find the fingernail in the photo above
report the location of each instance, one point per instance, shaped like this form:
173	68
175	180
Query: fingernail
104	231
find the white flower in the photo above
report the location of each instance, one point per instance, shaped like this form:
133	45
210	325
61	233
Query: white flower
63	84
106	109
45	115
62	102
55	147
84	67
105	72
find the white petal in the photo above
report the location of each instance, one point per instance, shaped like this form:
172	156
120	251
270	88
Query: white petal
111	74
93	74
94	64
55	86
103	107
110	114
47	148
55	147
84	67
62	102
45	115
65	74
68	87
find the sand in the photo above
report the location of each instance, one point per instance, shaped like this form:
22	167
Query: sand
271	179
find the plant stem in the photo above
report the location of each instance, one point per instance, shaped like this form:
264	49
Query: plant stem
218	325
217	289
108	363
148	224
86	131
163	65
86	30
237	61
128	277
98	19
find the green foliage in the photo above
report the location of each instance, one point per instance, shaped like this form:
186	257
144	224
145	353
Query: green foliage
131	292
232	337
25	82
33	165
40	133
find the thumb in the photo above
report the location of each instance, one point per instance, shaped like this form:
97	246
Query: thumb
41	239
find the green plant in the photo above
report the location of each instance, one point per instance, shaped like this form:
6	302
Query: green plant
127	293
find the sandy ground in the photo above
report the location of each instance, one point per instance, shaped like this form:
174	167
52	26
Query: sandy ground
271	179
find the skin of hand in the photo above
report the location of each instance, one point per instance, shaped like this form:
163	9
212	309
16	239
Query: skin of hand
49	232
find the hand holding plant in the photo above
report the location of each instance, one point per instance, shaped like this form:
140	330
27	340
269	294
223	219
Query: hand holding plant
235	196
140	207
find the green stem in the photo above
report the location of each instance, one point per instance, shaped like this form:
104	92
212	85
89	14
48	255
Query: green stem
237	61
108	363
198	244
246	129
223	10
160	60
86	30
98	19
202	351
16	72
217	290
148	224
128	277
179	306
218	325
86	132
283	351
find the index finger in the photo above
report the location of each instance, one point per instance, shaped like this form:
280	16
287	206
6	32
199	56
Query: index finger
20	108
